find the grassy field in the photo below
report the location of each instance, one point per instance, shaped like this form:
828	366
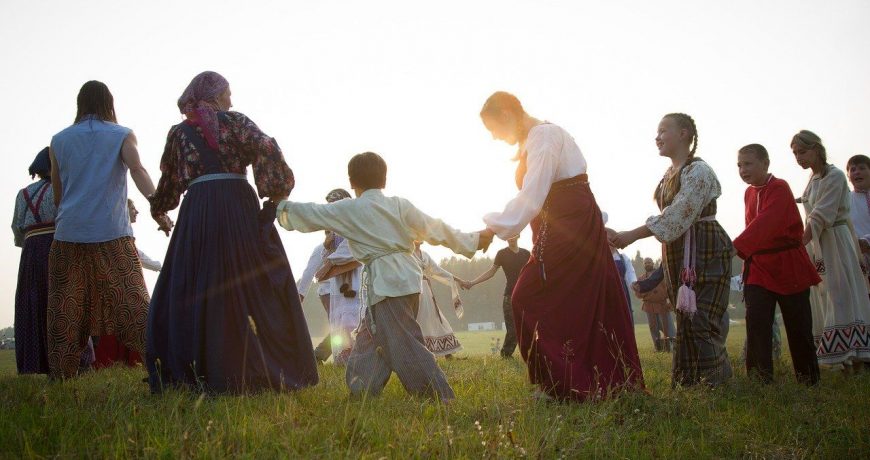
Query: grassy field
111	414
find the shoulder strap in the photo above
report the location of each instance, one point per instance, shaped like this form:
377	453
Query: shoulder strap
34	207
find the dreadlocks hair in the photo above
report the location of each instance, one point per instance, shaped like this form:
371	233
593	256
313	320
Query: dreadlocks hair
686	122
95	99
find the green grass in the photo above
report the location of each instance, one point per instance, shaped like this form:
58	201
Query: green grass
111	414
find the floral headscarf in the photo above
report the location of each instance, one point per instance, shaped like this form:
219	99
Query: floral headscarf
198	104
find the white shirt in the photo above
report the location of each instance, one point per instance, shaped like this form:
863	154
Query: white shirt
149	263
860	214
551	156
630	275
303	283
341	256
380	231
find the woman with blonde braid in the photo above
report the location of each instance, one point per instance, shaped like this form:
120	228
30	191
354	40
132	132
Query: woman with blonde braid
696	254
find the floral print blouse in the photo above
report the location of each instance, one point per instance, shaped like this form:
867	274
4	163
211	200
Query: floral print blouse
240	142
698	187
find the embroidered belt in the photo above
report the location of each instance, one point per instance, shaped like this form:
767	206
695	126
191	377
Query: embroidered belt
218	176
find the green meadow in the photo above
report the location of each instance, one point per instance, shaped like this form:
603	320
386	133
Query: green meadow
110	413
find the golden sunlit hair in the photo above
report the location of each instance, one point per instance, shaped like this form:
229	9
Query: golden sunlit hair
95	99
756	149
499	104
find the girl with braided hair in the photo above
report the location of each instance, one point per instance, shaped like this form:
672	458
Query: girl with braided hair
840	304
696	254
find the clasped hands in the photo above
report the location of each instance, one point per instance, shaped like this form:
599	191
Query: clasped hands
620	240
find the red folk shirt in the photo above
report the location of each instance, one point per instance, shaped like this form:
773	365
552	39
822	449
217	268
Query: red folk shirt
772	239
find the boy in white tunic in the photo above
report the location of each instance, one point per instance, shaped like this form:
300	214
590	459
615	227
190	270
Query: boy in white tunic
381	232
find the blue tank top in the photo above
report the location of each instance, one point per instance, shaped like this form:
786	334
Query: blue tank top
93	207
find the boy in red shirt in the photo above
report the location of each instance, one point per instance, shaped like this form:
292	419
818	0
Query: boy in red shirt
776	269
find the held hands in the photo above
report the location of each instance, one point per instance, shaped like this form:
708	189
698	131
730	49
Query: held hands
164	223
620	239
485	239
466	285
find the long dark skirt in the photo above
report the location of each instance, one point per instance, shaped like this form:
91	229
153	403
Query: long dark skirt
569	306
31	301
225	315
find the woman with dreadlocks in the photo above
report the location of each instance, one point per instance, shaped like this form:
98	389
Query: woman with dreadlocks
696	254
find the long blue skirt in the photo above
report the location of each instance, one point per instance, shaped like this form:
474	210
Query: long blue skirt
225	315
31	302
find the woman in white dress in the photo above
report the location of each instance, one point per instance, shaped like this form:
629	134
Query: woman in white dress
841	307
437	333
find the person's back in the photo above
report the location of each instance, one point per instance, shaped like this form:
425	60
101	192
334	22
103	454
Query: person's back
94	182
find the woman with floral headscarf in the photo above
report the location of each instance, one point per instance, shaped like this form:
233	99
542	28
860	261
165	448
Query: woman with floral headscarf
225	315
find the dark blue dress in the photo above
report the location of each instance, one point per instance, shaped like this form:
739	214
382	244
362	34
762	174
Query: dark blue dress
225	314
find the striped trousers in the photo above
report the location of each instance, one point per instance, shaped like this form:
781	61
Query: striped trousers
396	346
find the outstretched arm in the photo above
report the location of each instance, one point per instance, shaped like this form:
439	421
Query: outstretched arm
485	276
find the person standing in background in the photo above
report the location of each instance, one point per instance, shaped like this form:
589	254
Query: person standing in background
511	260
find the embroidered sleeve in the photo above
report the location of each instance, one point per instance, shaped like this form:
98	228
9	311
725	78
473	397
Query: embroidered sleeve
172	183
272	175
698	185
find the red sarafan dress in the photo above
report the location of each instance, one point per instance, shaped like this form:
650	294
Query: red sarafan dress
570	312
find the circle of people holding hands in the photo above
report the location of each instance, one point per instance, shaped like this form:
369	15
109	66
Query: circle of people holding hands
226	311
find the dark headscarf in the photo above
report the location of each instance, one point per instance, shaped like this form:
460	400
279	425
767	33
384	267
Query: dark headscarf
197	103
41	164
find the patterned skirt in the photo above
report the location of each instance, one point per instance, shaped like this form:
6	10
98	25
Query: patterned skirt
225	315
438	335
699	354
31	299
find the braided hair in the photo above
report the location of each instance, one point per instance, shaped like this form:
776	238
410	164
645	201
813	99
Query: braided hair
686	122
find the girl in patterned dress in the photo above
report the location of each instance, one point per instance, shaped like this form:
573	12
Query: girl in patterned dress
696	254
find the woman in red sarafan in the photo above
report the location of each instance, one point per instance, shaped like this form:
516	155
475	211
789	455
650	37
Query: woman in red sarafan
569	307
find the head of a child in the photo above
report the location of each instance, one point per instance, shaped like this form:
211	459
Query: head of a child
752	164
503	115
858	168
648	264
677	135
131	209
367	171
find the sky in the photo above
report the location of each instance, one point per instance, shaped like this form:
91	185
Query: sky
330	79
